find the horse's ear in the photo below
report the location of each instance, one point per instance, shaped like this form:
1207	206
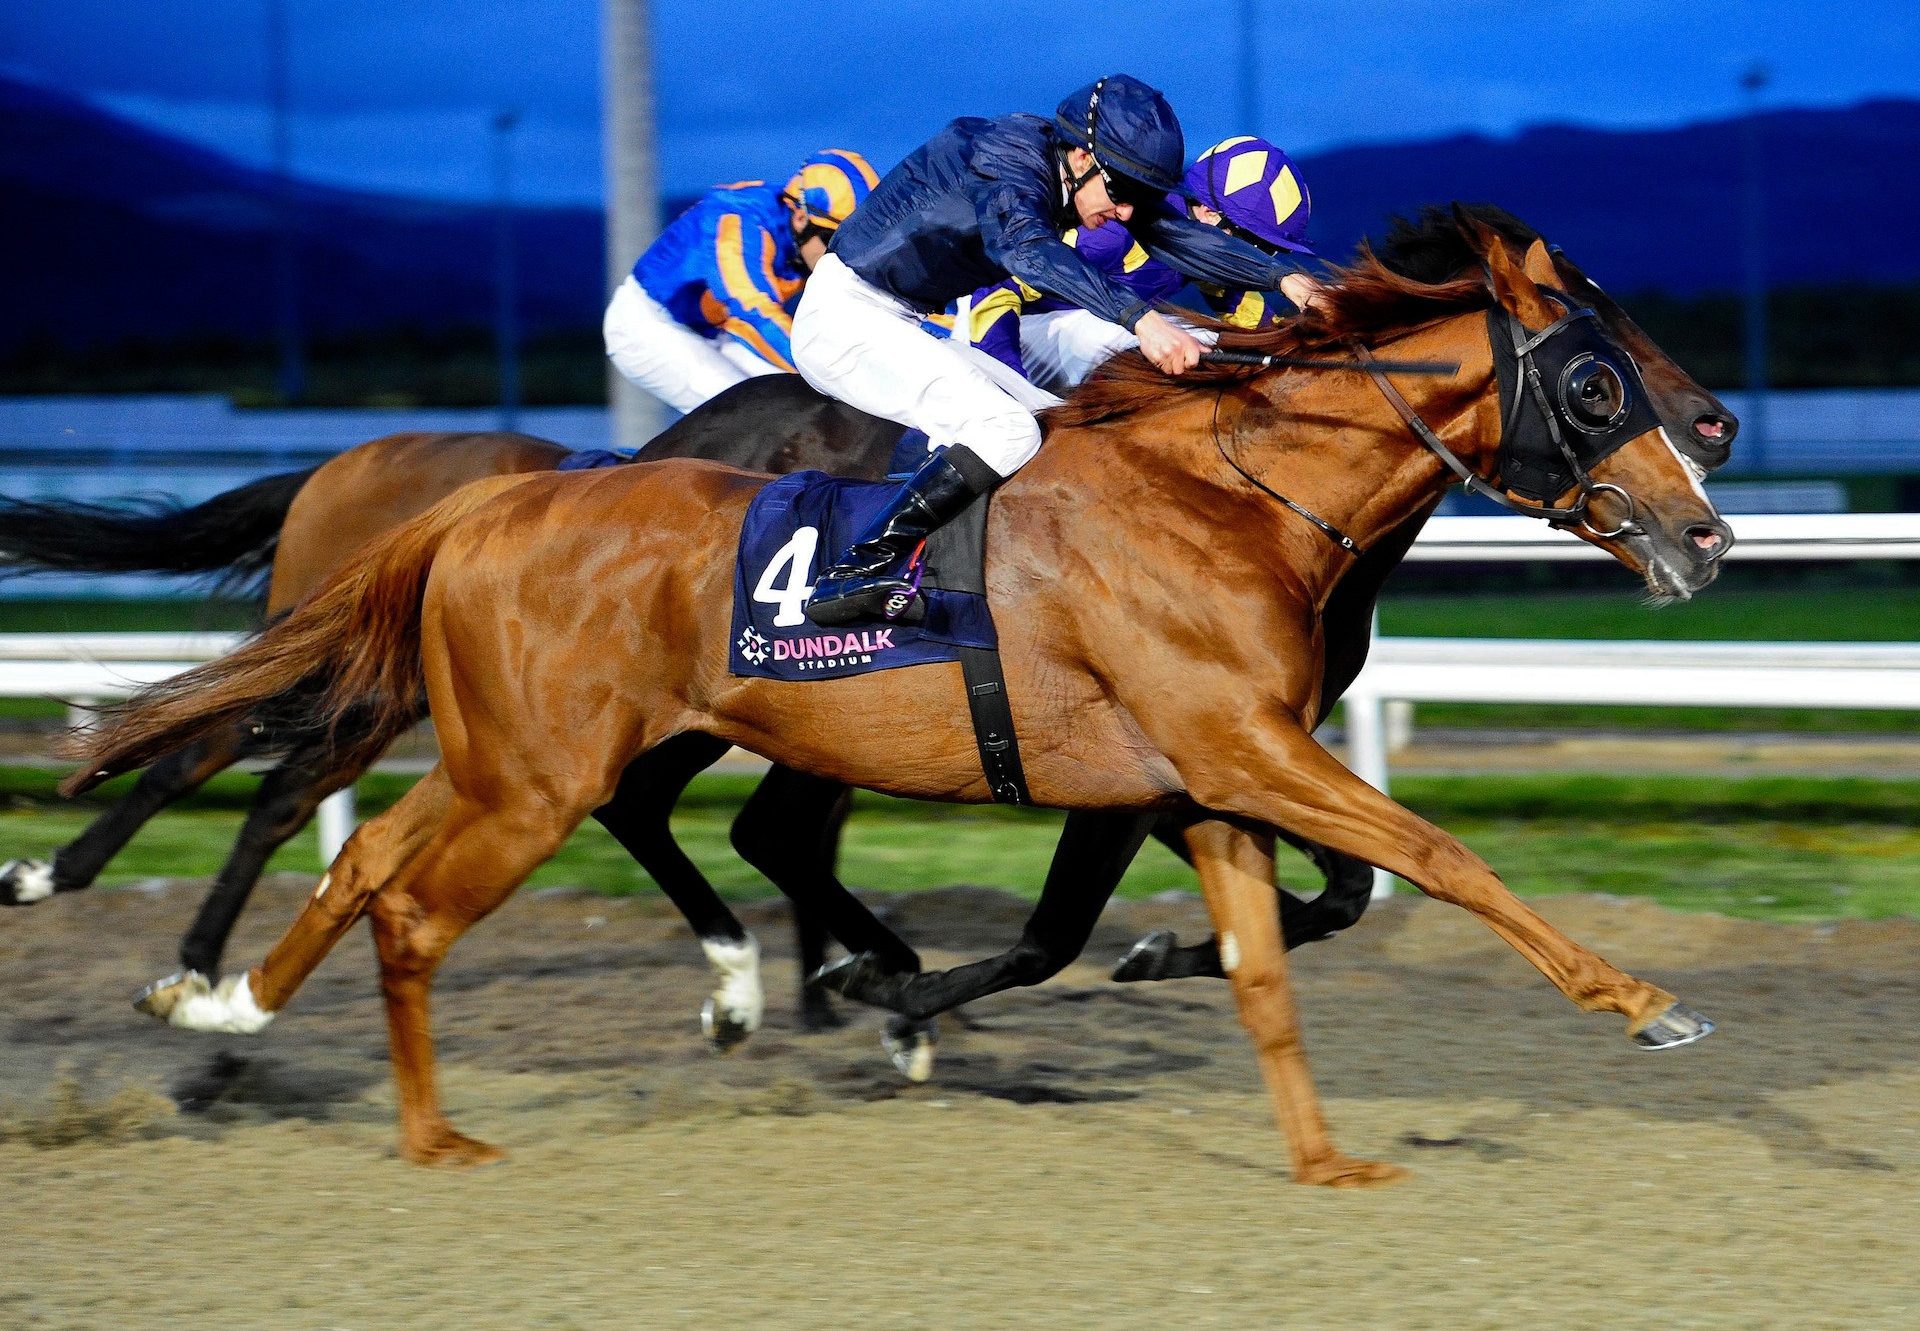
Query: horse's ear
1539	265
1514	288
1480	236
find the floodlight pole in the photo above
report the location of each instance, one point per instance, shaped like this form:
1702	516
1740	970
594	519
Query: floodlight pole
632	185
1753	429
286	276
506	295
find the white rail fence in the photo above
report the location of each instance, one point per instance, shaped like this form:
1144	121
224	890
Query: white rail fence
1720	674
81	668
88	668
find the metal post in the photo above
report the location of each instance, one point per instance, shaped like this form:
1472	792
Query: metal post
286	274
632	188
506	294
1365	715
1753	423
335	824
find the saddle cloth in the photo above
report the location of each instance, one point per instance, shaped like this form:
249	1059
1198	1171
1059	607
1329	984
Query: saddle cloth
800	523
592	459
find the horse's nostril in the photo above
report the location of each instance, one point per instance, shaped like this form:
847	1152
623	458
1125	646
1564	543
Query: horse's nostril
1710	541
1713	428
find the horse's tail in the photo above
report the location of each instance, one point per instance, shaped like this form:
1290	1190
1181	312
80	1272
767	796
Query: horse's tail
233	535
342	669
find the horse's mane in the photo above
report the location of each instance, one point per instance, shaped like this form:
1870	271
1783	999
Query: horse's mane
1426	269
1433	248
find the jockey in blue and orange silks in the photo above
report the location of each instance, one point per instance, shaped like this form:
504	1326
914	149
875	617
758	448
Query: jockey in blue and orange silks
1245	186
711	301
981	201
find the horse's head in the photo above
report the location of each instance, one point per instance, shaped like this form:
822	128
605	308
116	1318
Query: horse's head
1434	247
1579	433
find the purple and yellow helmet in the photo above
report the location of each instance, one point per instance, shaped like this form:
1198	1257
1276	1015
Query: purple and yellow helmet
1257	188
827	188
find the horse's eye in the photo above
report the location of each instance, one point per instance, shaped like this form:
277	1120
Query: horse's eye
1594	392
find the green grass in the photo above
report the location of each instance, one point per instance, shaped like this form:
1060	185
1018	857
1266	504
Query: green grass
1723	614
82	615
1773	848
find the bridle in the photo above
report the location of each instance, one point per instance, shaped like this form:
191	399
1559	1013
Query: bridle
1581	343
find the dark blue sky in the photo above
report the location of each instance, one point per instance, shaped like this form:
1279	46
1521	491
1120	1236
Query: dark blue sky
397	94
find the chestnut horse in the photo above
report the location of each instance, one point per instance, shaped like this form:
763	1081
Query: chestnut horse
300	526
1159	619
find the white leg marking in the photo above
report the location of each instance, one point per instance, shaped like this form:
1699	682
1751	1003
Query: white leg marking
32	880
1229	952
912	1053
227	1008
737	965
326	880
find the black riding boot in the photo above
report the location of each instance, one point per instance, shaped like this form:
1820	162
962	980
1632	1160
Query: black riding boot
868	581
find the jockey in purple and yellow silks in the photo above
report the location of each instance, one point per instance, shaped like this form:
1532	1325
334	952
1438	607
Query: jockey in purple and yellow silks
1010	320
711	301
1245	186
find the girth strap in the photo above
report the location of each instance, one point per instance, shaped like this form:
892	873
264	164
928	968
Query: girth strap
993	724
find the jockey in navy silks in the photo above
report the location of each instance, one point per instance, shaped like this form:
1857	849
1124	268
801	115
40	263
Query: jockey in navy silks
711	301
1245	186
983	200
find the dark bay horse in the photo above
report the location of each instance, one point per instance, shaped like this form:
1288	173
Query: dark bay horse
1160	627
299	527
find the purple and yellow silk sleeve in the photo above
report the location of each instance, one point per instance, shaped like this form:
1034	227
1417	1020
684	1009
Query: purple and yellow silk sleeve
994	321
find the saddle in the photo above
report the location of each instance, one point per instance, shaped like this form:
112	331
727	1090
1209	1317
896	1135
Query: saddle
792	527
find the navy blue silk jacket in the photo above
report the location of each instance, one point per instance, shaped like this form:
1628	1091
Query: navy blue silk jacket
983	200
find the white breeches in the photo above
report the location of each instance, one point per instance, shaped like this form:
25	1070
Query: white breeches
668	359
857	343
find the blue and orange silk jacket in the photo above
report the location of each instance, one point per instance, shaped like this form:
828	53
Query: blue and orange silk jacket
1111	249
726	267
983	200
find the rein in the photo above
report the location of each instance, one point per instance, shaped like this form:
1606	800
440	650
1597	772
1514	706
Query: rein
1262	361
1332	533
1529	388
1575	514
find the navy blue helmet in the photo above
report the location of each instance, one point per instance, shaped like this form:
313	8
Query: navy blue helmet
1131	132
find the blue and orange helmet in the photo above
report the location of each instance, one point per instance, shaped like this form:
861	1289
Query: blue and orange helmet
827	188
1257	189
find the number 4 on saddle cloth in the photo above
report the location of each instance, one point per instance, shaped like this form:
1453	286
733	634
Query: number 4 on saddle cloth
801	520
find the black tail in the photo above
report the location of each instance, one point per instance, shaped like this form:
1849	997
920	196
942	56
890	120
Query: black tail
232	535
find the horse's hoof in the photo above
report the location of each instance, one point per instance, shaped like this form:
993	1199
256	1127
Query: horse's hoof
838	975
1344	1172
724	1030
160	998
192	1002
1676	1026
1147	958
910	1045
451	1150
23	882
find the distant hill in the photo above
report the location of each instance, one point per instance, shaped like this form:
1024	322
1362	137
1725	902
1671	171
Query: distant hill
111	231
1661	209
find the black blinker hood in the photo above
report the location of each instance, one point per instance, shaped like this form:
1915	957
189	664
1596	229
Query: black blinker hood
1533	464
